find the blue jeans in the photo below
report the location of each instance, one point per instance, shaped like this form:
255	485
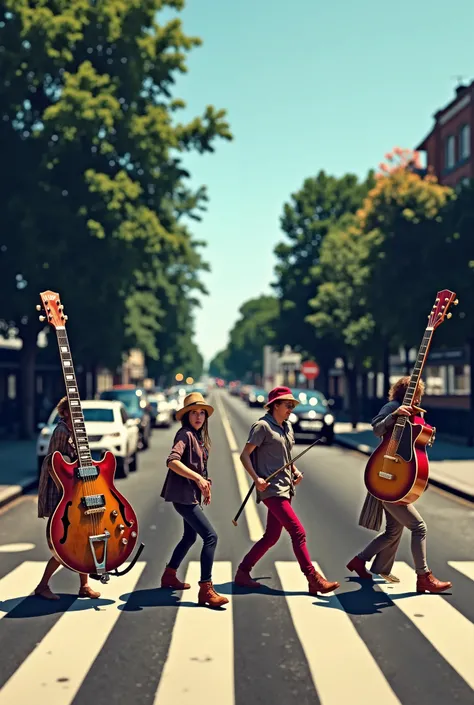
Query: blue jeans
195	522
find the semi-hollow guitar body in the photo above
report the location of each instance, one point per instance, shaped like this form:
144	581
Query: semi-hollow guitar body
94	527
403	477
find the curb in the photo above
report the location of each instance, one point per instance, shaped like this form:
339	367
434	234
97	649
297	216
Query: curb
14	491
453	489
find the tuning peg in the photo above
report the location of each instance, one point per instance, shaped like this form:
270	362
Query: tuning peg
455	302
449	315
65	317
38	307
42	318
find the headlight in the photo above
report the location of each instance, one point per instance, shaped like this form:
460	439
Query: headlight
329	419
293	418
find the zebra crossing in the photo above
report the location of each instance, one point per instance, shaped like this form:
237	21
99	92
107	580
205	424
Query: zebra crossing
197	667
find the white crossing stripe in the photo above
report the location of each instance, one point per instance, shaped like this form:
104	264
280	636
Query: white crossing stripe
18	584
254	523
360	679
451	634
464	567
52	669
201	654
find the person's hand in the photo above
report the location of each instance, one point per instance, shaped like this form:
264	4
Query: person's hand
207	499
403	411
260	484
205	487
297	477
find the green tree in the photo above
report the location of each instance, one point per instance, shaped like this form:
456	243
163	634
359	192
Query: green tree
252	331
218	366
97	209
306	220
402	218
341	314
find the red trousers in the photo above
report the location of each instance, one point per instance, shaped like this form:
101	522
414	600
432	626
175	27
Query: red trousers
280	514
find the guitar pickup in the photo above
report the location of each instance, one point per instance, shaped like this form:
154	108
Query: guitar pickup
93	502
391	457
386	475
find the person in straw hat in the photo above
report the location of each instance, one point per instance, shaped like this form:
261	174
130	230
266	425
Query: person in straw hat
187	486
268	448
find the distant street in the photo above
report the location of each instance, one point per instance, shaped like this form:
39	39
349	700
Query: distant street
139	645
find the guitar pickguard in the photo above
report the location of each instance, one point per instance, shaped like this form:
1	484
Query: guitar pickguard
405	447
66	523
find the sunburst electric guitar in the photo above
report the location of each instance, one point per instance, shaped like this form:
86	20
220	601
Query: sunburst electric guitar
94	528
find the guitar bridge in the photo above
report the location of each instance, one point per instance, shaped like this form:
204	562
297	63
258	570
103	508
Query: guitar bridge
100	566
391	457
386	475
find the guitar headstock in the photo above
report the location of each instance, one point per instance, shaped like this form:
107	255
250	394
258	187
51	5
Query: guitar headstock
439	312
53	309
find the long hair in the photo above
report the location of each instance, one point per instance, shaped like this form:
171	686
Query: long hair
63	406
398	390
203	431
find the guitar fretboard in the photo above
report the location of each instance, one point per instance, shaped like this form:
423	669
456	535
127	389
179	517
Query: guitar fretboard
411	389
77	417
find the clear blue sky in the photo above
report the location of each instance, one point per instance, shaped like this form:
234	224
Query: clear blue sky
307	86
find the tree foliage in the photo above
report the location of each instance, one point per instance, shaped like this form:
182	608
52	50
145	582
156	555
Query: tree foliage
243	357
97	203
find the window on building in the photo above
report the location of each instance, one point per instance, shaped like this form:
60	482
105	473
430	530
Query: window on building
465	142
450	156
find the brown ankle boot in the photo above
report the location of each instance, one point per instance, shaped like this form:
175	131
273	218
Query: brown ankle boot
87	591
427	582
243	579
208	596
169	580
316	583
358	565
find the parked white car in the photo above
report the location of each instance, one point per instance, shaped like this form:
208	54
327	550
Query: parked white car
161	410
108	428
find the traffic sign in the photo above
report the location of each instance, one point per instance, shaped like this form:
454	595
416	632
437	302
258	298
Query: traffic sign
310	369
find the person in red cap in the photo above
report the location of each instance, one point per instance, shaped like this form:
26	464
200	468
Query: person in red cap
268	447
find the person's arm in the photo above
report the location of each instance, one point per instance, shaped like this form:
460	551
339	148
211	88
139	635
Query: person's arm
260	483
297	474
386	418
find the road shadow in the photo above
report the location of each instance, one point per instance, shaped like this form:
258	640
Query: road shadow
32	606
368	600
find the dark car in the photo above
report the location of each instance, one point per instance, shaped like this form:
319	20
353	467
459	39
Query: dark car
257	397
137	406
312	418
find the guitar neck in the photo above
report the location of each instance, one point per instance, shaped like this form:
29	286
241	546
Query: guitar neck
72	391
411	389
419	365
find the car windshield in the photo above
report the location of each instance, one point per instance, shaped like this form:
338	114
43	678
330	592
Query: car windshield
127	396
106	415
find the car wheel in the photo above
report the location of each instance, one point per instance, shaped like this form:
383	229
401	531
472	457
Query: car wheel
122	467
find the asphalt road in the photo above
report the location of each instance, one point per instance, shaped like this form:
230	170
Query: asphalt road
142	645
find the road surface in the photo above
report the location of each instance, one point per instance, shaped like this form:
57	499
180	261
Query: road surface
141	645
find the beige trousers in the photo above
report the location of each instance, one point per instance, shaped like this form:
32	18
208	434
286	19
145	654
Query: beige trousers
384	547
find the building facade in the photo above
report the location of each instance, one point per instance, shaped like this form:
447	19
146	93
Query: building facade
449	147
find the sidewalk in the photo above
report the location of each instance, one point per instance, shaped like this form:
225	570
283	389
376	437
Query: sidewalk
18	472
451	465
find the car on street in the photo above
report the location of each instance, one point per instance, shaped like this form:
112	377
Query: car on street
135	400
257	397
161	409
108	427
312	418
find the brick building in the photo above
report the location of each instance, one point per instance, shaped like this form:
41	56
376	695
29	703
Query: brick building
449	147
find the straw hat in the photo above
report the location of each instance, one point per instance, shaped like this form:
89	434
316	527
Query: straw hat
195	400
280	394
